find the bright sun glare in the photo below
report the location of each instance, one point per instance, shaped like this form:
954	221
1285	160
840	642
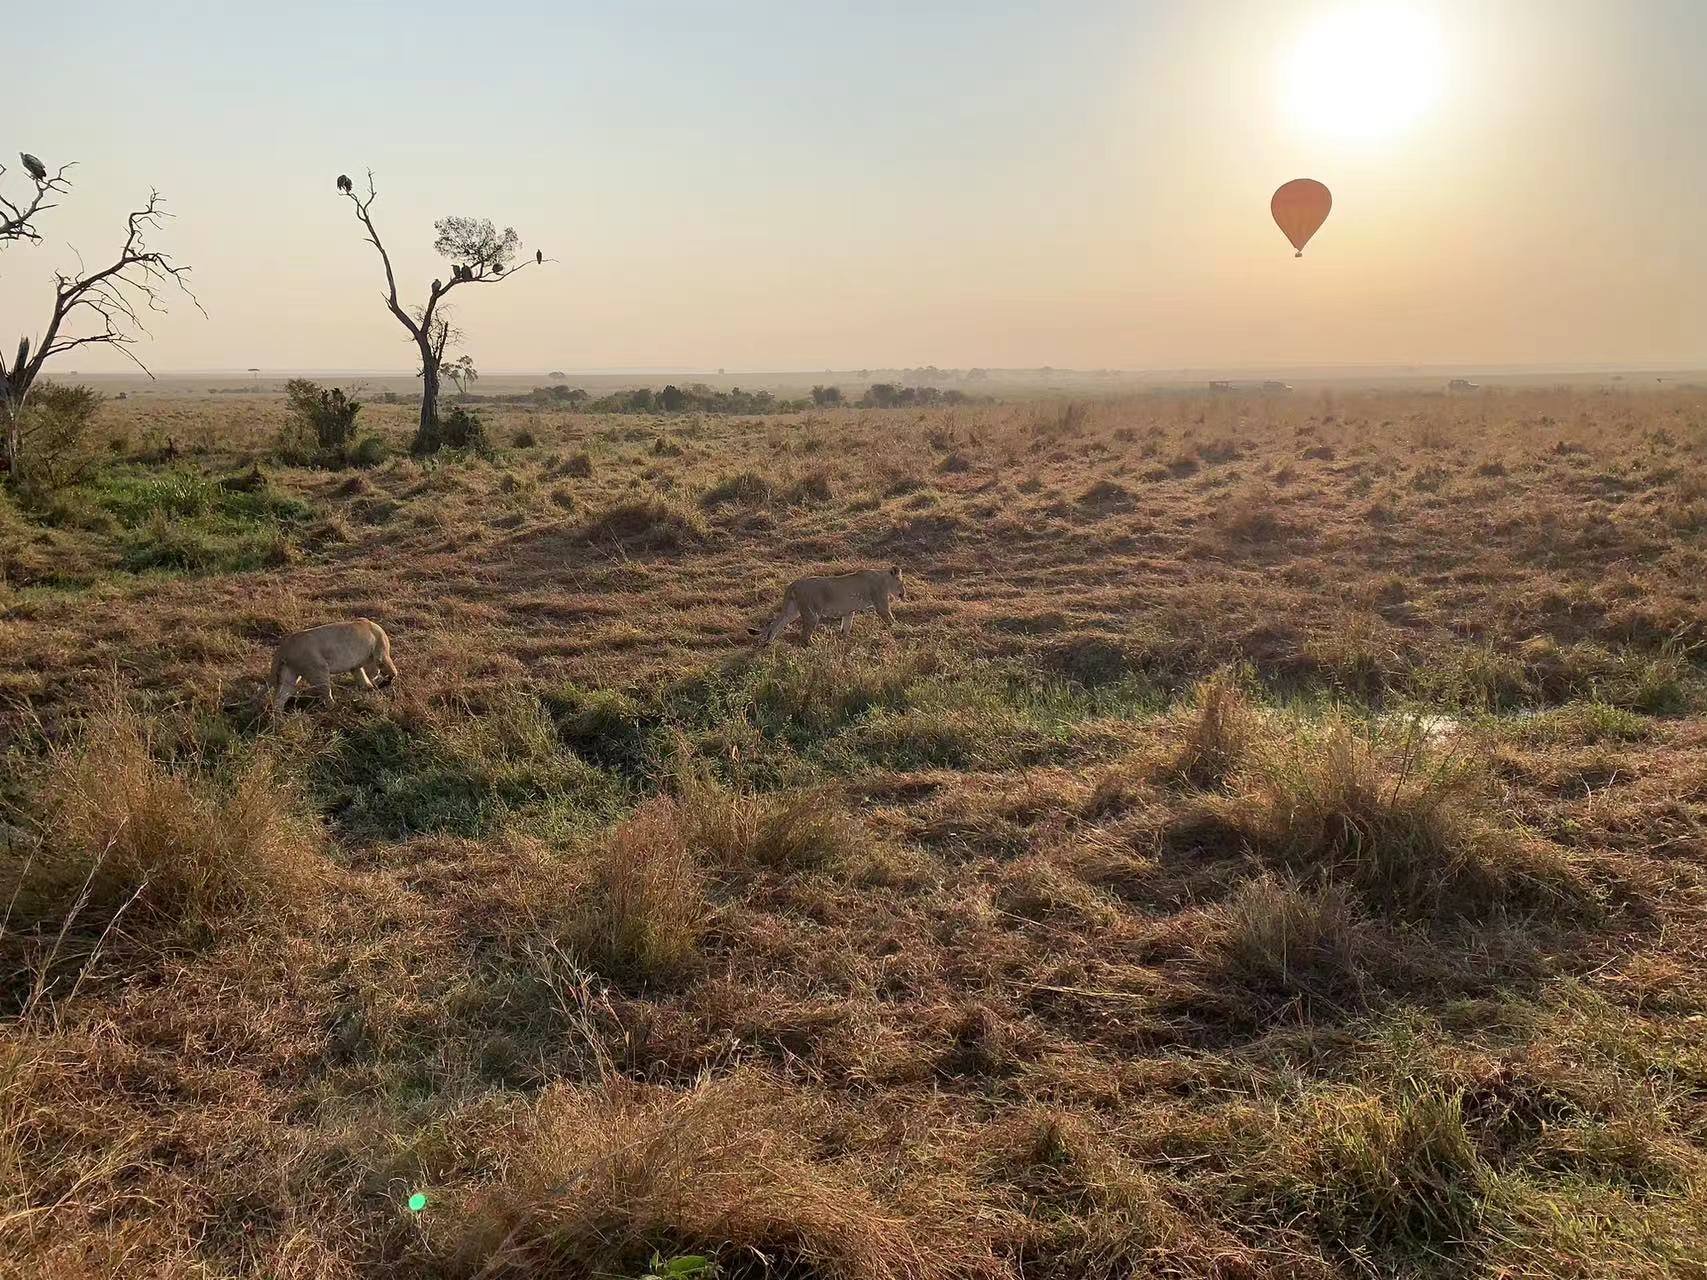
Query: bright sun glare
1365	70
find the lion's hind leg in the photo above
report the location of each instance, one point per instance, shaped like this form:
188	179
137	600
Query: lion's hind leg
319	676
808	624
382	663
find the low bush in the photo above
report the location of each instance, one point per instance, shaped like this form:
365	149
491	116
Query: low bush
459	429
320	425
55	450
369	451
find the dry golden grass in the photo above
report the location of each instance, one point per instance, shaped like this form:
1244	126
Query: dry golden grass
601	1177
1271	845
646	906
123	828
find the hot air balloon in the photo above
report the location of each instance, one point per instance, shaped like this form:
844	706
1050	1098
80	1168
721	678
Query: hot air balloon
1300	207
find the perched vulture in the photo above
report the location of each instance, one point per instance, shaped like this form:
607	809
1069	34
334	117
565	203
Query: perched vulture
438	286
35	168
344	183
539	256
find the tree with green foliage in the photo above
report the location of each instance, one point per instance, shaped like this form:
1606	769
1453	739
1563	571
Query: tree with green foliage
478	253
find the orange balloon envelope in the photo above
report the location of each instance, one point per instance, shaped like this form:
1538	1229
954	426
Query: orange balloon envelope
1300	207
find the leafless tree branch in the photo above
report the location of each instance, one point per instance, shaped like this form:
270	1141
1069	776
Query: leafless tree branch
110	302
16	216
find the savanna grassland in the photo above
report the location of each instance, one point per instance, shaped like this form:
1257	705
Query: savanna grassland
1273	843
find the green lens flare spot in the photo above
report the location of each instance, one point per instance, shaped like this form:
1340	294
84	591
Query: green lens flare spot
417	1202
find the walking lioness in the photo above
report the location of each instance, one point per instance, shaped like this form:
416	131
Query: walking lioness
815	600
319	653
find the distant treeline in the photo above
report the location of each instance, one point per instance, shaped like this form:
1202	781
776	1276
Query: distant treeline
699	398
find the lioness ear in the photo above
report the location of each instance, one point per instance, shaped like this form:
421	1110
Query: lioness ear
895	569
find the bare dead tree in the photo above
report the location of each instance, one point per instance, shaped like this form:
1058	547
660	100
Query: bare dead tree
17	216
478	253
93	308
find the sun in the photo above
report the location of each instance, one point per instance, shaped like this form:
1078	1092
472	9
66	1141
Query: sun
1365	70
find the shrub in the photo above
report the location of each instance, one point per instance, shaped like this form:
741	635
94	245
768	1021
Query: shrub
459	429
524	439
369	451
320	425
54	442
191	846
578	465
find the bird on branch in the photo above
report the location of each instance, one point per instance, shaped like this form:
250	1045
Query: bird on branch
344	183
539	256
35	168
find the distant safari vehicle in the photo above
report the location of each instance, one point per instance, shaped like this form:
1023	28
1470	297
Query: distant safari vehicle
1220	388
1458	385
1273	386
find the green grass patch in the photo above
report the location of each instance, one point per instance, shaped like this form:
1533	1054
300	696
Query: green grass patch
384	780
185	521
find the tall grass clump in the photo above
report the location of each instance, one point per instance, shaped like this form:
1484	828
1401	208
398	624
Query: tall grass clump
1402	1177
650	520
600	1177
740	488
1275	939
192	846
644	907
1413	830
787	831
1216	732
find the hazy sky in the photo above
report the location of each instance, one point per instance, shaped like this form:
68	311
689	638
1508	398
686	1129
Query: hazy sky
804	184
